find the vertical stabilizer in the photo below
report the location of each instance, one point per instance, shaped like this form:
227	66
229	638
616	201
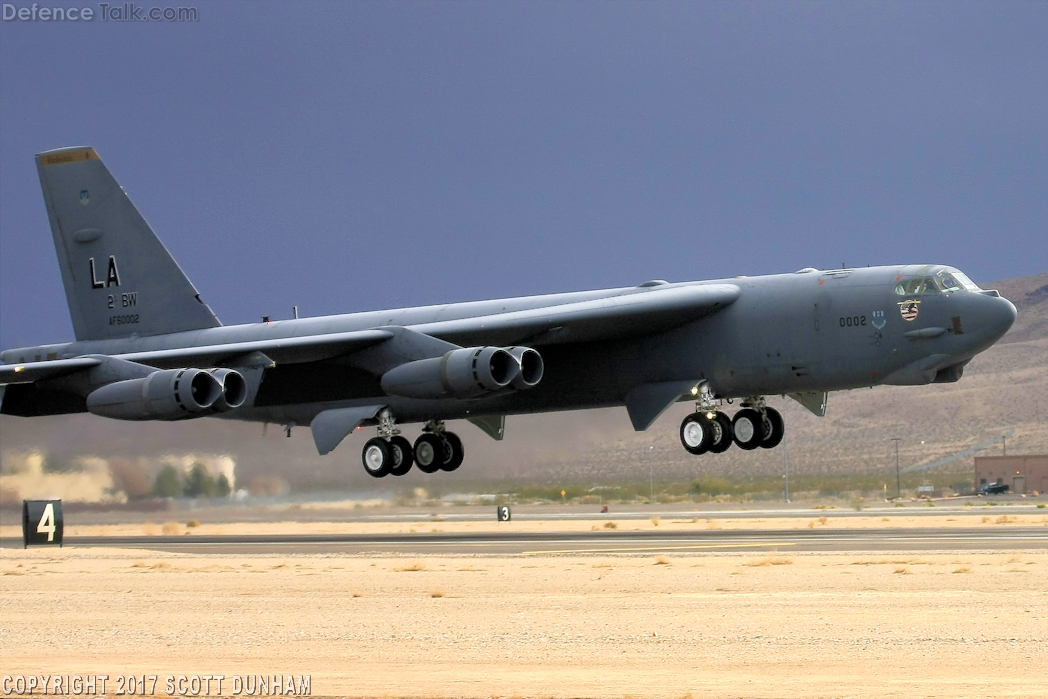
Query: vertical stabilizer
119	278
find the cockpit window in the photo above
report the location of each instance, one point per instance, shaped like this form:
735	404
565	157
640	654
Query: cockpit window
964	281
947	282
942	282
910	287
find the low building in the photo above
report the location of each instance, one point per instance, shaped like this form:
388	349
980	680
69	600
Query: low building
1024	475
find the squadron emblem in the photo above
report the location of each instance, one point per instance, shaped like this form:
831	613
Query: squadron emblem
909	309
878	319
85	197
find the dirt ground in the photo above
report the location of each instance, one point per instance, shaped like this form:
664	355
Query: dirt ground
713	624
435	522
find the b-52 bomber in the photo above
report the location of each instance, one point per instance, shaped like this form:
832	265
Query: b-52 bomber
148	347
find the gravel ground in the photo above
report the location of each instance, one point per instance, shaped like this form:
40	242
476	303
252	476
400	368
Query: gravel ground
711	624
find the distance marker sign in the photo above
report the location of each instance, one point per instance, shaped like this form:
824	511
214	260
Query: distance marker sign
42	522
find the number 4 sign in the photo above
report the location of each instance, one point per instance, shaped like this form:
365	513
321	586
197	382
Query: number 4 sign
42	522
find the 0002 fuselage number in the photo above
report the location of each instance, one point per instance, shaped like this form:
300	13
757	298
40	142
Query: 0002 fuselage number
853	321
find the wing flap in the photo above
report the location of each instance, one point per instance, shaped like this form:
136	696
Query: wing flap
637	312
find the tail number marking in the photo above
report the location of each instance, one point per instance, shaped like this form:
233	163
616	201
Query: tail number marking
853	321
129	319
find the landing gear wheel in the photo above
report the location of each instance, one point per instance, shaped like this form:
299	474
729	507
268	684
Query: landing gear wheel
402	456
722	438
453	452
748	429
774	429
696	434
429	453
376	457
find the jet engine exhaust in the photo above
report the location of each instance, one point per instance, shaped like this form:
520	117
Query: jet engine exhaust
531	367
234	390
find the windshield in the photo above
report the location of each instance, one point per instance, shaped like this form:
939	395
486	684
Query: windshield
965	281
943	282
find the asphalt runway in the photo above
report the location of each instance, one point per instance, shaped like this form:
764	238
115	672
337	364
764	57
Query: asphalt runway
588	543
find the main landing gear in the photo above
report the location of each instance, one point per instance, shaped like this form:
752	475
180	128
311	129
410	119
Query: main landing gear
709	430
390	454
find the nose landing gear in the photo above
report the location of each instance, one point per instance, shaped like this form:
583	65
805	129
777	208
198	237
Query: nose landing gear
710	430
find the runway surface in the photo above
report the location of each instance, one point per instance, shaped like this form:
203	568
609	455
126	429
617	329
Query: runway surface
597	542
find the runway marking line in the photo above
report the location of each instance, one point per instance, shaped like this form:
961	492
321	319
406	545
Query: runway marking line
666	548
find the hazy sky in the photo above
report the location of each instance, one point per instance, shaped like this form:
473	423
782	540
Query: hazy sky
359	155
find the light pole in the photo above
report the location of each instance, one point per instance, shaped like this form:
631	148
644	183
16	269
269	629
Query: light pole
898	483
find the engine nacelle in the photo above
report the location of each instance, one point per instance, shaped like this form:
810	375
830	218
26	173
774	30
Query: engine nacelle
174	394
234	390
462	373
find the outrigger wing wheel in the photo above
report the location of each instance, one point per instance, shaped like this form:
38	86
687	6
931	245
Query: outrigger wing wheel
773	429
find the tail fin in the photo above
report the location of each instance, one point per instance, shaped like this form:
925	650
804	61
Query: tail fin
119	278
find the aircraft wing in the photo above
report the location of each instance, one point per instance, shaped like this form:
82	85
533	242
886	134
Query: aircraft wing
30	372
309	348
647	310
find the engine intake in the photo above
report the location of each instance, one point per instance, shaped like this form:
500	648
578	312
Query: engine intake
465	373
174	394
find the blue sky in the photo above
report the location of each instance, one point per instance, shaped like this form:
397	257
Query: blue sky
360	155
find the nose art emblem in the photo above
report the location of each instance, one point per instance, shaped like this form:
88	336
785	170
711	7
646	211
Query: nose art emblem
878	319
909	309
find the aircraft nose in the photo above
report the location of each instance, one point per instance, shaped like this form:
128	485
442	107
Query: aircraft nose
1004	315
998	317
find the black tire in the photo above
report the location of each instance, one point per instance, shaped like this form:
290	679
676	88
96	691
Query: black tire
748	429
774	429
376	457
722	438
429	453
402	454
453	454
696	434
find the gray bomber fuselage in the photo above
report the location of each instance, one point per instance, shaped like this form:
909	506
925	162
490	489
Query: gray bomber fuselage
803	332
